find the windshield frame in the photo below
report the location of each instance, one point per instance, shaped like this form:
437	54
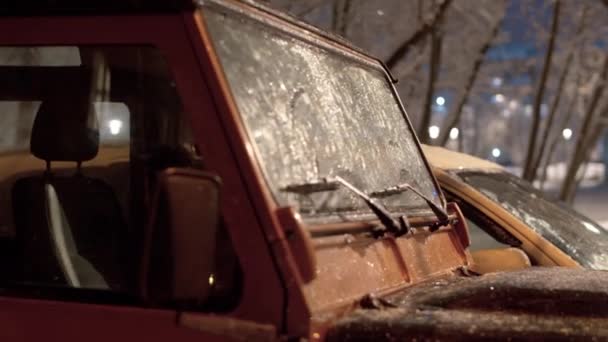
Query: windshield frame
284	24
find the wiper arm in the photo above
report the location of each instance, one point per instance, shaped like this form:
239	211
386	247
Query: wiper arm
393	190
333	183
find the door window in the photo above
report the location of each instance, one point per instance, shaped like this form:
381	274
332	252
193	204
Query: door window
483	231
85	130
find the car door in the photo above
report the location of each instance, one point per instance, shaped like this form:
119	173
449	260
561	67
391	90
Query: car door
131	68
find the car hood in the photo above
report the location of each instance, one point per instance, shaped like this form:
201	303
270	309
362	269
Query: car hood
538	303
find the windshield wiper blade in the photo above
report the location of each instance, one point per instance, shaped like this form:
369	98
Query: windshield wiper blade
333	183
441	214
311	187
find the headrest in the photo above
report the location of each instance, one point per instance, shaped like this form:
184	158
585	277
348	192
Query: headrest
65	129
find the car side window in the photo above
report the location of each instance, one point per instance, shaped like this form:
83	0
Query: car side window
483	231
480	239
85	131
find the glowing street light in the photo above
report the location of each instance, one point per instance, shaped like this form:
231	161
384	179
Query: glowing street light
454	133
497	81
115	126
496	152
440	100
567	133
434	132
499	98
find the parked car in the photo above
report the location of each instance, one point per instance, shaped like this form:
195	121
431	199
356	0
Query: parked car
504	210
215	170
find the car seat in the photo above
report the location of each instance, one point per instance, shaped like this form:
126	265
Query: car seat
70	230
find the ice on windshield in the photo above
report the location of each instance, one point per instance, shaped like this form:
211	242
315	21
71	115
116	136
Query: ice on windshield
312	112
576	235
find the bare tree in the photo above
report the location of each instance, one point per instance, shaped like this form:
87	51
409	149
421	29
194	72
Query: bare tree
456	112
587	137
529	171
418	36
553	146
340	16
558	94
434	65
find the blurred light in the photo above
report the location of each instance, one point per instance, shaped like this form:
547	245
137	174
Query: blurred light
440	100
513	104
495	152
544	110
567	133
497	81
115	126
380	12
506	113
211	279
433	132
528	110
454	133
499	98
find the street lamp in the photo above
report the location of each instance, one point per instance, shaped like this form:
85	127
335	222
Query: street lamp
454	133
497	81
434	132
567	133
496	152
440	100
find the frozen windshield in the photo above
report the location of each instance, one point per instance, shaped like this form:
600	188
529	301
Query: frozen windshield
313	111
584	240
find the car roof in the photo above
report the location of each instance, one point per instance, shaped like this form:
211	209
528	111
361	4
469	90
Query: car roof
445	159
91	7
109	7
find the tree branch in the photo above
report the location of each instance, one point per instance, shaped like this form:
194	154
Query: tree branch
422	32
312	5
340	19
540	91
456	113
557	97
434	66
584	139
565	122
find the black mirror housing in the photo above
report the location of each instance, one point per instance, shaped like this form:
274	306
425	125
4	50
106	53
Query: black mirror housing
179	241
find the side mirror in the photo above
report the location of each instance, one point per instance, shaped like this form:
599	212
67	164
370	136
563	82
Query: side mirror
179	241
499	259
